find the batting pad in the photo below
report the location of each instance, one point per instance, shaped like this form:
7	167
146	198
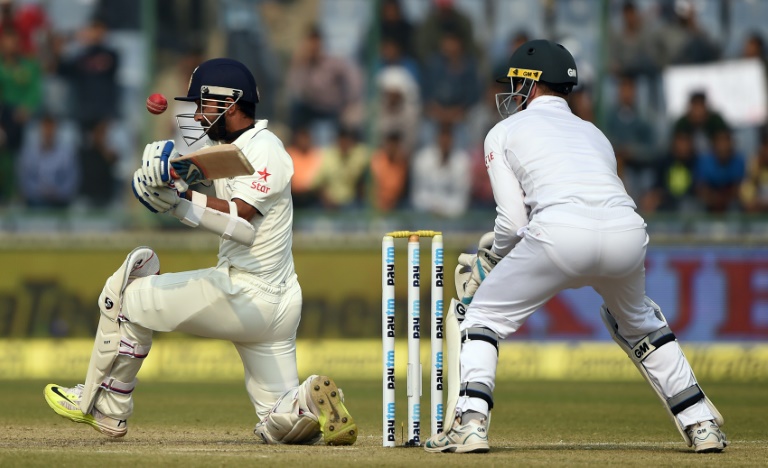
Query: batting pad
142	261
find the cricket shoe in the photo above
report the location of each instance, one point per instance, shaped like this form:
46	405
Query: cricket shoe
471	437
706	437
326	401
66	403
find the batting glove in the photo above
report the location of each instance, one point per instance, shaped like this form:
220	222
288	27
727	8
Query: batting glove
155	162
156	199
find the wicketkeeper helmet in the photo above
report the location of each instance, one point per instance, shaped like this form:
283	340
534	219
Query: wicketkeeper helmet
541	61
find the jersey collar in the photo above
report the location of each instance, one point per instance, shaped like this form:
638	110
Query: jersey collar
555	101
258	126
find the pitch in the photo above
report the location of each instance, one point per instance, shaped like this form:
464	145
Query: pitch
535	424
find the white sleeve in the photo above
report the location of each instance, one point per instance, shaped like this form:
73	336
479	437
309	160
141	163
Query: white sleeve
511	212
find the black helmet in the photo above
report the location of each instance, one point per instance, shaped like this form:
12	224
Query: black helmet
536	61
542	60
222	77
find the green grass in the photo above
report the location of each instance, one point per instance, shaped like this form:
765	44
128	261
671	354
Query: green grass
534	424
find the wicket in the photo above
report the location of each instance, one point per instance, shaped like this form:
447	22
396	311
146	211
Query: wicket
414	369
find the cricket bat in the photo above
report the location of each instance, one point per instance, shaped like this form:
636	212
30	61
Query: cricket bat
214	162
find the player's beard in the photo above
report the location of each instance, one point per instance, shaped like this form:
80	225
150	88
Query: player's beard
218	130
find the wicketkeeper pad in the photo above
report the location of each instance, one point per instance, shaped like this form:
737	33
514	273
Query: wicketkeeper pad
643	351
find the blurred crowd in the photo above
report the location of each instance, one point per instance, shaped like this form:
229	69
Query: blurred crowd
382	105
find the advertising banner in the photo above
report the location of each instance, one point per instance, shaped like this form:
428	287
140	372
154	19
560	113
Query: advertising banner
706	293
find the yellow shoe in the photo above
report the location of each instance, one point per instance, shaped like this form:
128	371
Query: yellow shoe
66	403
327	403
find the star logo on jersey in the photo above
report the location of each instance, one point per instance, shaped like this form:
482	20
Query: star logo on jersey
264	174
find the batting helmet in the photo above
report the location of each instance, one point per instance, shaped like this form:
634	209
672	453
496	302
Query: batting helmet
222	77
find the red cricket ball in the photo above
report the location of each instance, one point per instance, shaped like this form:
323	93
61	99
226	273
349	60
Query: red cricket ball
157	104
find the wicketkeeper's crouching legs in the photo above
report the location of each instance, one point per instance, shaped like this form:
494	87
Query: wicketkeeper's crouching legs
470	386
662	363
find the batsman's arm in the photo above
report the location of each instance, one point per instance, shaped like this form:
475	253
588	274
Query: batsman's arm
229	219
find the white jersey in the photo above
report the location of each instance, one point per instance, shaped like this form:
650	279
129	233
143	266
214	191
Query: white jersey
269	191
545	156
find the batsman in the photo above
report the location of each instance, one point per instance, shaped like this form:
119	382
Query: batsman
564	220
251	297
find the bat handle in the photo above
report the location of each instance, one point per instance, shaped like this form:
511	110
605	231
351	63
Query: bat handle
174	175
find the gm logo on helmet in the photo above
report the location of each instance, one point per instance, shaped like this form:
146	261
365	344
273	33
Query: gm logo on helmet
572	72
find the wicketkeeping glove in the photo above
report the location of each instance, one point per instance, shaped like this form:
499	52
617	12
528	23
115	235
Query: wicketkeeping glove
473	268
155	162
156	199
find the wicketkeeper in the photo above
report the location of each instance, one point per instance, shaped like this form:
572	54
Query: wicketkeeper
563	221
251	297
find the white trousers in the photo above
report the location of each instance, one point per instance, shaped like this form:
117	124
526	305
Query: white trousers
602	249
259	318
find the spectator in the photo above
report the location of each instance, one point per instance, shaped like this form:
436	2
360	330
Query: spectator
754	47
754	190
632	48
325	91
633	51
480	120
395	27
21	86
633	140
307	159
91	77
581	104
501	63
30	23
47	174
484	115
674	188
342	174
391	55
701	121
389	170
720	173
451	86
7	157
681	40
98	161
440	177
444	16
399	107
